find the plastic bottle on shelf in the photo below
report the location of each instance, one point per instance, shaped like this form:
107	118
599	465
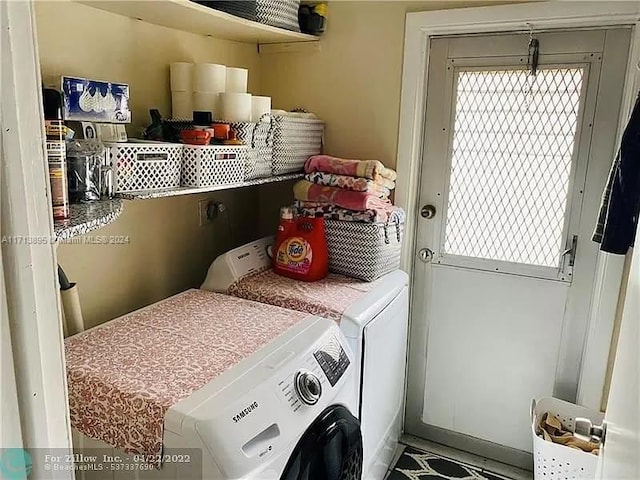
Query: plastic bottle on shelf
55	131
57	161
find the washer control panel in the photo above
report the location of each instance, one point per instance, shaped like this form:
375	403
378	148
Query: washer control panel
322	368
308	387
333	360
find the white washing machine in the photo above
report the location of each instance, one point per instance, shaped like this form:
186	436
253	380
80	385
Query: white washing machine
285	412
375	322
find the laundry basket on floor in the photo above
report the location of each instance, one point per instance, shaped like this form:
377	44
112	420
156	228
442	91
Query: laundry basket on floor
553	461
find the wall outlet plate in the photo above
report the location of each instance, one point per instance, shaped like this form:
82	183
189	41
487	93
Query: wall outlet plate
209	210
202	212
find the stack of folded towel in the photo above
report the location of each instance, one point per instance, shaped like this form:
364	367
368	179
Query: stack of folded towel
349	190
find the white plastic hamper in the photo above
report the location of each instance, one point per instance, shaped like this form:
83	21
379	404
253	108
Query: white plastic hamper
553	461
295	139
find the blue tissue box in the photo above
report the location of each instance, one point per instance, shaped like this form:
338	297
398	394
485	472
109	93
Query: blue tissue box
94	101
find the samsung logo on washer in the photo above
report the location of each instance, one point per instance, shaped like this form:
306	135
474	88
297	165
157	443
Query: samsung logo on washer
245	412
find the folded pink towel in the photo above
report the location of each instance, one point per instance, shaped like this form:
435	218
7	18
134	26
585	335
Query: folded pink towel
372	169
310	192
355	184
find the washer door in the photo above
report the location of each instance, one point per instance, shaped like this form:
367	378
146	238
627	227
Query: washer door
330	449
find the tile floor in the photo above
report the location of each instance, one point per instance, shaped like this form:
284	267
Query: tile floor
417	459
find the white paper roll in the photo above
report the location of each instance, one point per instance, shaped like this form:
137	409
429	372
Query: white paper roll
181	76
181	105
206	102
259	106
209	78
235	107
237	80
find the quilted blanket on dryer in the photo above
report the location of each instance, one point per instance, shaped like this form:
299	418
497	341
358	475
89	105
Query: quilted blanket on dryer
124	375
328	298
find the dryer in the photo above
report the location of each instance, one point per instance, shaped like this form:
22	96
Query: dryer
373	317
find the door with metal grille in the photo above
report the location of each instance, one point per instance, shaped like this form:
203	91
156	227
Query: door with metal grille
508	202
515	155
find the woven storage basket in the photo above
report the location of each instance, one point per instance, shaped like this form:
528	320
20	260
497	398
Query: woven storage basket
240	8
210	165
295	139
259	140
364	250
144	166
277	13
553	461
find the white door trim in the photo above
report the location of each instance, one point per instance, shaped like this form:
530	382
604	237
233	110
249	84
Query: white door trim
419	28
28	254
10	430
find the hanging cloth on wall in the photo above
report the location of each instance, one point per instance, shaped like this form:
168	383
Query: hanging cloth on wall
616	227
533	54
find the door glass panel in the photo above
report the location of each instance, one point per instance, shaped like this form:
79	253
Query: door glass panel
513	142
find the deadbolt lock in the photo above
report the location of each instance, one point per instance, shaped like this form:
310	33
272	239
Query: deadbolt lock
428	211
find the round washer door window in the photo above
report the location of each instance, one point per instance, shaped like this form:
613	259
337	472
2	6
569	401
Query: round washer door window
330	449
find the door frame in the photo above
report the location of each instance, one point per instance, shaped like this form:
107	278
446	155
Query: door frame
420	27
28	256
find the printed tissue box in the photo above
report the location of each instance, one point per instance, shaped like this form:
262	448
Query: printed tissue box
95	101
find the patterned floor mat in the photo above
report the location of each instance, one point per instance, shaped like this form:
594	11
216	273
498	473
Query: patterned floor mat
416	464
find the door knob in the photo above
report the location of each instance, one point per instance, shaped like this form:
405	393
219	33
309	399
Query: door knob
587	431
425	255
428	211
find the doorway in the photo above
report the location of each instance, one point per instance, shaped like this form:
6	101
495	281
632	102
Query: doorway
514	159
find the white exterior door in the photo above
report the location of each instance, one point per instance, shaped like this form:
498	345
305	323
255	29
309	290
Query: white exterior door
512	174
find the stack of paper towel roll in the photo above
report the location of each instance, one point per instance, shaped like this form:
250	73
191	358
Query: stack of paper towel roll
209	79
235	102
181	74
221	90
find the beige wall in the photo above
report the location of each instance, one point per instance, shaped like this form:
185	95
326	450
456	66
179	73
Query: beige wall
74	39
354	82
168	250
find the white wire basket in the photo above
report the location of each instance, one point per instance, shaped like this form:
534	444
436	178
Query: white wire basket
211	165
145	165
553	461
295	139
